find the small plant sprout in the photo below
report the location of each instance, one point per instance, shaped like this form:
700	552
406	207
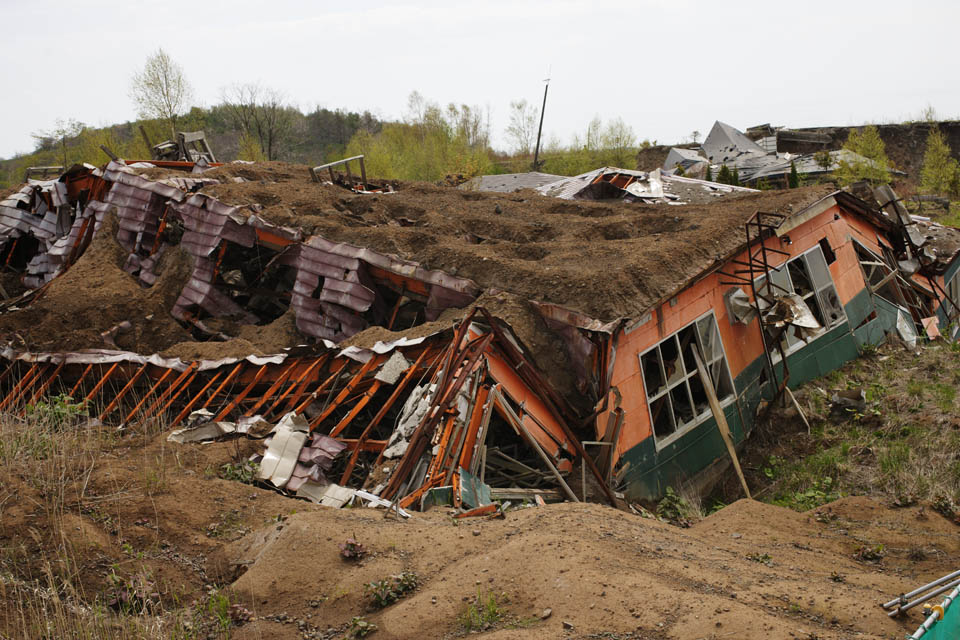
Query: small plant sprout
351	549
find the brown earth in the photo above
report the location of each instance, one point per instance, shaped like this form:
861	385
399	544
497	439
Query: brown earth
606	259
95	295
750	570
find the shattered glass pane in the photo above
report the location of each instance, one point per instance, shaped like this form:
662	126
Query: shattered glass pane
709	340
801	279
814	304
670	352
688	342
780	280
682	407
699	395
662	417
832	308
819	271
652	372
721	380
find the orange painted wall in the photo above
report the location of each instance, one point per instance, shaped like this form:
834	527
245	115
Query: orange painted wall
742	344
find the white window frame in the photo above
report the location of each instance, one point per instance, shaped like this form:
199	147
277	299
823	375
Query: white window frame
953	290
818	292
711	362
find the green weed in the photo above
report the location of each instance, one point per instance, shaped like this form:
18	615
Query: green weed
482	613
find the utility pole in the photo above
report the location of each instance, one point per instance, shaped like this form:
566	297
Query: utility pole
536	154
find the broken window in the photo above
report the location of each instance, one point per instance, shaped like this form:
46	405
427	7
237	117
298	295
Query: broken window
254	279
676	396
951	306
807	276
876	274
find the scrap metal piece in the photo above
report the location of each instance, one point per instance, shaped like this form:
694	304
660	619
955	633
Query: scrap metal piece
283	452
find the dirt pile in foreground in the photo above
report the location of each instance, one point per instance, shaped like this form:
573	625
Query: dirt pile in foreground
136	506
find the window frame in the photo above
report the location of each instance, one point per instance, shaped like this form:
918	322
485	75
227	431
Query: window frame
795	344
667	386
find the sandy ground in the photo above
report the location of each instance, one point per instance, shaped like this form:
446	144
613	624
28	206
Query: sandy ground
750	570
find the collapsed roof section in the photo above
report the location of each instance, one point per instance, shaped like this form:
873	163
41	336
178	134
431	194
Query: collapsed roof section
459	413
727	146
652	187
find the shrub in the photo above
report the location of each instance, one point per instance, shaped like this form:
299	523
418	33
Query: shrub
387	591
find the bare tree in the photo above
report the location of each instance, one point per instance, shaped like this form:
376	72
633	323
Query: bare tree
593	140
160	90
620	140
260	113
58	135
522	130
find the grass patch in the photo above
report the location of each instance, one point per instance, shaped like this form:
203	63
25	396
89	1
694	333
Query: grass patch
904	447
481	614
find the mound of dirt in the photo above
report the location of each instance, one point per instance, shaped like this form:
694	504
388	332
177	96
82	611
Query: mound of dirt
607	259
95	295
750	571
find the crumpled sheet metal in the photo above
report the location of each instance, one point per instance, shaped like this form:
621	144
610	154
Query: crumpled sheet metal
283	452
108	356
790	309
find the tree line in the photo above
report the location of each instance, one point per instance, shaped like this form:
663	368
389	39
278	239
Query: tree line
256	122
429	142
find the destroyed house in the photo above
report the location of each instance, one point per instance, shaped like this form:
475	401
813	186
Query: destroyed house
803	294
425	354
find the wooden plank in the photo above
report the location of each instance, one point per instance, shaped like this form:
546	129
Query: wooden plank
517	423
720	418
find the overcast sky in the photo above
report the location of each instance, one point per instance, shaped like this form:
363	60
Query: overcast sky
667	67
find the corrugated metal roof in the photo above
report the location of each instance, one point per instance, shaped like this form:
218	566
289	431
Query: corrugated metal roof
509	182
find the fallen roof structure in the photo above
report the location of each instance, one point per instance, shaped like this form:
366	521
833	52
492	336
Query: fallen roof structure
754	161
441	345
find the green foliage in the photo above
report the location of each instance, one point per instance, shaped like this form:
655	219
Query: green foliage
823	160
482	613
135	595
432	144
245	471
873	165
940	174
793	181
762	558
387	591
725	176
250	149
709	176
57	411
674	509
360	628
819	492
218	607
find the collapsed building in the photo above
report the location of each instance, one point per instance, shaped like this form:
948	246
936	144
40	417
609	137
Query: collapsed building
757	158
430	345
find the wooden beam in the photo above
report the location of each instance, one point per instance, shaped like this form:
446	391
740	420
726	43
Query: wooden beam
517	424
721	419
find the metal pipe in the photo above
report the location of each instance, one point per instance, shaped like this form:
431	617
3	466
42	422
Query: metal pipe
918	590
934	616
923	598
536	154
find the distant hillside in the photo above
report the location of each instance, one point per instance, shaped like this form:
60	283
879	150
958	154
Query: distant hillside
314	137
